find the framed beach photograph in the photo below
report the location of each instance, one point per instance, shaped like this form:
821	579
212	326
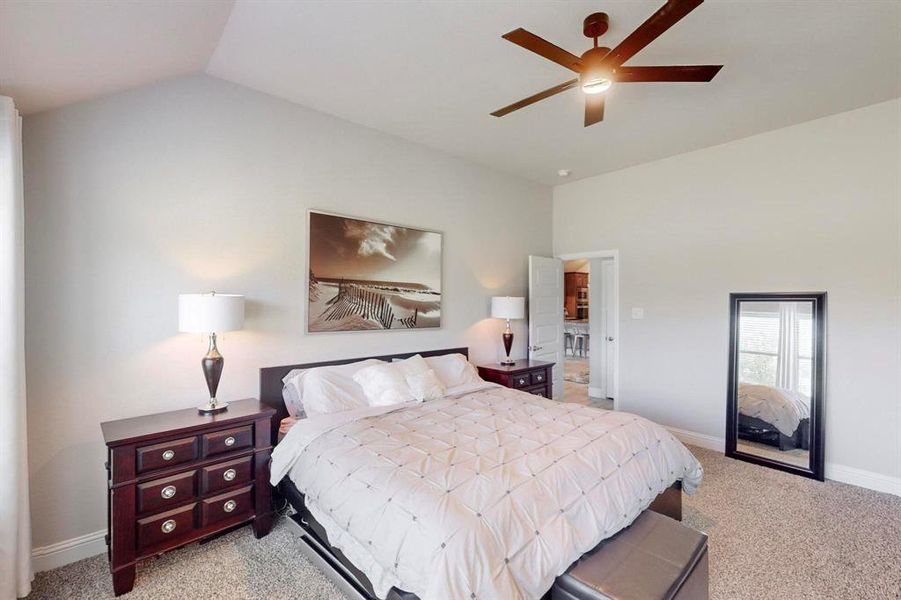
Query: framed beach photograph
366	275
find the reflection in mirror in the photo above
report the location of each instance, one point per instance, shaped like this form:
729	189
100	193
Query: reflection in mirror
774	366
775	350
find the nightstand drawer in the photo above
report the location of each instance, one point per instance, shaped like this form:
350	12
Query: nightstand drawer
166	454
521	380
166	528
227	440
226	507
225	475
533	376
162	493
539	390
539	377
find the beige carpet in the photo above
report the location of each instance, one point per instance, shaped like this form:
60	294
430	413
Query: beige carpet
795	456
772	536
776	535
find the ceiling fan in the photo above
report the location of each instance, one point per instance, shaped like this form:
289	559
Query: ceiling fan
599	67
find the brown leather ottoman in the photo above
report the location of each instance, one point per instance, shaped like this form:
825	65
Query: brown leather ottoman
655	558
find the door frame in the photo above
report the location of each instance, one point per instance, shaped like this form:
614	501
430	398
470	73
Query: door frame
614	256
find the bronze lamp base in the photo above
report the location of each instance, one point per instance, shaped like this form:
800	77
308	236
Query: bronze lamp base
212	370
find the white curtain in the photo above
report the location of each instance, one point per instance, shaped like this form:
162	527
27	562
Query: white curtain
15	521
787	360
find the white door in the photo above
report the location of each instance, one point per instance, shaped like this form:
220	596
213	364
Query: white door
546	315
609	326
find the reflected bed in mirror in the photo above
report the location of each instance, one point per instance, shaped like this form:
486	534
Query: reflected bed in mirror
776	381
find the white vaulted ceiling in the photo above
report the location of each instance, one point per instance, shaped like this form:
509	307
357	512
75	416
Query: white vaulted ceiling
431	72
58	52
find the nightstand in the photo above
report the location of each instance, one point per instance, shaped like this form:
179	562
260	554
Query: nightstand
533	376
178	477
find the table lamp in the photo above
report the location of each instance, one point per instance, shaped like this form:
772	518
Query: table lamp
507	307
211	313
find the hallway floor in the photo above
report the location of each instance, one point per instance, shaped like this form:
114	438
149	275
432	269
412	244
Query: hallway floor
575	384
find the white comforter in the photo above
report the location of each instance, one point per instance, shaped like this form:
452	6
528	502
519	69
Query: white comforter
490	494
783	409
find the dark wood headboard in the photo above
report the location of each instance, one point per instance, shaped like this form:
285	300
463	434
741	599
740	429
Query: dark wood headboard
271	378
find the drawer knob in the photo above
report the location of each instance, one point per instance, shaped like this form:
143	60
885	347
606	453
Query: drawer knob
168	454
168	526
539	377
522	382
229	506
168	491
230	441
229	475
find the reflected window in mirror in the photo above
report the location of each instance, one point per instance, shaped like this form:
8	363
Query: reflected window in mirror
776	381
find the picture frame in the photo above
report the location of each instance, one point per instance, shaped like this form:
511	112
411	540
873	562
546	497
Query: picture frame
369	275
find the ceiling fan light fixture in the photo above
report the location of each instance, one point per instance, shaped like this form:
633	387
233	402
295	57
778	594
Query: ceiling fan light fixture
597	77
596	85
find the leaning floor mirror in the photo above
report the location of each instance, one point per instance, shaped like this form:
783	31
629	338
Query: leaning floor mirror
776	381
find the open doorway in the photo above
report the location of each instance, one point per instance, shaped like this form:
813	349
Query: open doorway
589	329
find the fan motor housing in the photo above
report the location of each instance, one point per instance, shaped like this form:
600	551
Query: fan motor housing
595	54
596	25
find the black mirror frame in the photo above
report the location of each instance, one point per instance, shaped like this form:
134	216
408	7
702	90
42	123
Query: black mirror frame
817	400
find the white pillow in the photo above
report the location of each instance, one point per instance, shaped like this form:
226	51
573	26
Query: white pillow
386	384
453	370
291	396
323	390
413	365
425	385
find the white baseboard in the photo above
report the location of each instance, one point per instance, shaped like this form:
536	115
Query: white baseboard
835	472
596	392
62	553
864	479
699	439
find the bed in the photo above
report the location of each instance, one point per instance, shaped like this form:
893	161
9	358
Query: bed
489	492
773	416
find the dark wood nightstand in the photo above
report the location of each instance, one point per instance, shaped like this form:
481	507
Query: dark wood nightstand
533	376
177	477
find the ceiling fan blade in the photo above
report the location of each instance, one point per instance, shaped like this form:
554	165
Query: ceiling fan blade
701	73
541	46
535	98
594	108
668	15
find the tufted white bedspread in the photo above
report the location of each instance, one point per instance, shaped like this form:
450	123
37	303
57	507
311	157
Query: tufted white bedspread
783	409
489	495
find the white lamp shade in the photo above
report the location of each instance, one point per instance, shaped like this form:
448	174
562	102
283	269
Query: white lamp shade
210	313
508	307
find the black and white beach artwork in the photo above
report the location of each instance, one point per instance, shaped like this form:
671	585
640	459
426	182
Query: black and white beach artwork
366	275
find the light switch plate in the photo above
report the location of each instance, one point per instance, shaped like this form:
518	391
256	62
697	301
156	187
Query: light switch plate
638	313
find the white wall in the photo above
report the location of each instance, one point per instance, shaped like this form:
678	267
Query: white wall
812	207
198	184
